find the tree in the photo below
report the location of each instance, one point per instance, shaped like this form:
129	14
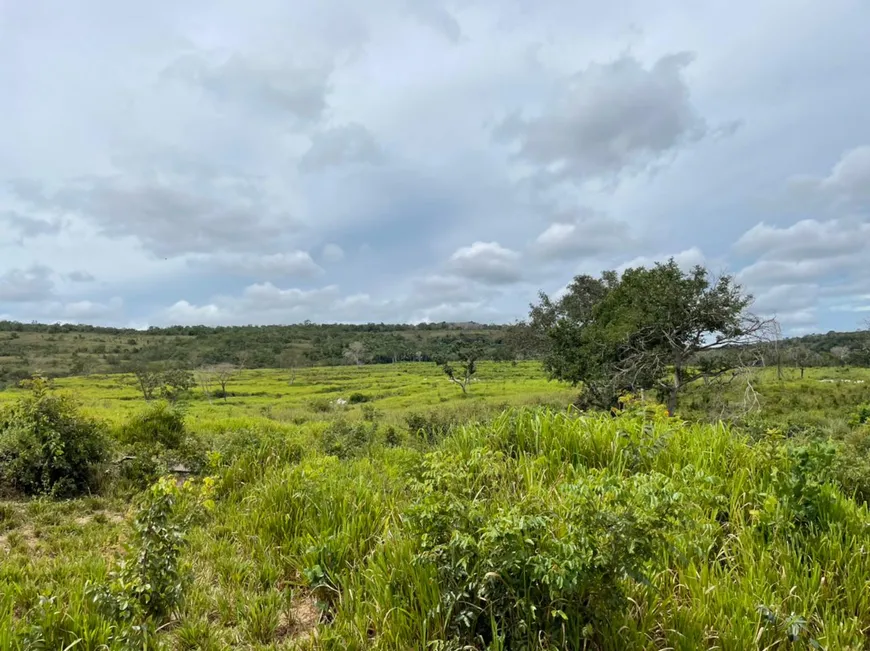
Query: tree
170	384
291	358
175	383
841	353
466	367
205	379
355	353
223	373
148	381
801	357
648	329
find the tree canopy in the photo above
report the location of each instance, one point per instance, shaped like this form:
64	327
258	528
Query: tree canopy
645	329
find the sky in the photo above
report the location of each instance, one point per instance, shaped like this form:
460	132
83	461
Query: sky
219	162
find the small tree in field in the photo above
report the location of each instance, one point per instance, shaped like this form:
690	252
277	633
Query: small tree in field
355	353
645	329
216	374
223	373
167	383
148	380
291	359
464	369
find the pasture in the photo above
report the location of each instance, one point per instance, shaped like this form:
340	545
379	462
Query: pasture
375	507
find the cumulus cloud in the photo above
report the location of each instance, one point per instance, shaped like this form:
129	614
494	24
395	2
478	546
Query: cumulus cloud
294	263
686	260
848	184
806	239
592	235
487	262
809	250
608	118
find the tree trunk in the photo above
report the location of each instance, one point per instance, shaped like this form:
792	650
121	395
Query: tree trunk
675	388
802	372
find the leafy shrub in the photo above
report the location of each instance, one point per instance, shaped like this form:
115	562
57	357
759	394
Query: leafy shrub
357	398
159	423
861	415
370	414
344	440
48	448
431	427
157	440
320	405
535	565
148	585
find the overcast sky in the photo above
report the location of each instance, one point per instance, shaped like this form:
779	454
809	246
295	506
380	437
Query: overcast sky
225	162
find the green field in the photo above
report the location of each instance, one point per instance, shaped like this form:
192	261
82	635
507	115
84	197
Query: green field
412	517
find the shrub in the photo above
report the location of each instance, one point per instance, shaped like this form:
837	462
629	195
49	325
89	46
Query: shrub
344	440
544	565
48	448
159	423
320	405
861	415
148	585
157	439
357	398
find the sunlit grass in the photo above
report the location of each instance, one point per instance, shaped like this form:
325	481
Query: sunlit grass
469	538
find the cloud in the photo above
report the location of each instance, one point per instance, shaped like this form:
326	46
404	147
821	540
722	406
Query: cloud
292	264
848	184
26	226
285	89
332	253
82	311
609	118
487	262
182	153
345	145
175	215
584	236
808	239
79	276
434	14
807	251
686	260
26	285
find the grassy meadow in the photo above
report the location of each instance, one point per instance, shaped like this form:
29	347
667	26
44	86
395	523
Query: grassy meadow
376	507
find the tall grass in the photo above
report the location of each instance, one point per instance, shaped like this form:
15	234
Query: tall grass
479	527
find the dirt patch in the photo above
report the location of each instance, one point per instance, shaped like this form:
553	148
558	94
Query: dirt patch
23	536
100	516
301	621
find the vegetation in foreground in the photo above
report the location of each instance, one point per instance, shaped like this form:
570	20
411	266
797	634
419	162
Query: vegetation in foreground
394	513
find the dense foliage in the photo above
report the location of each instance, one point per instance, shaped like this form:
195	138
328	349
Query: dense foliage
644	329
67	349
48	447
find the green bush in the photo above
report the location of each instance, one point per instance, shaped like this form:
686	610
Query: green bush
861	415
357	398
48	448
344	440
159	423
540	565
148	585
156	440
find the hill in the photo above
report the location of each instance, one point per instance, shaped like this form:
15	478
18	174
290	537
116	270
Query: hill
65	349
